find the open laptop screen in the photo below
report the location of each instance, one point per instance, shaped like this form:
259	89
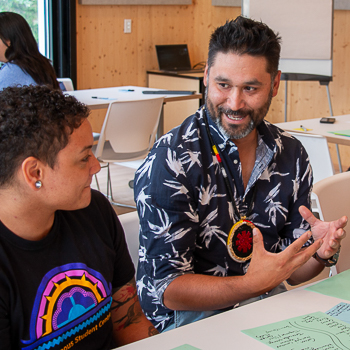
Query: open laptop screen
173	57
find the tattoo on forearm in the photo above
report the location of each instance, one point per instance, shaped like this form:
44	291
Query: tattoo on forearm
152	331
127	294
130	318
123	300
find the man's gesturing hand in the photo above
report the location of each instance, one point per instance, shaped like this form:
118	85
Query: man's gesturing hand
267	270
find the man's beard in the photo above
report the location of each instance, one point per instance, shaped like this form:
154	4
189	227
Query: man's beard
235	132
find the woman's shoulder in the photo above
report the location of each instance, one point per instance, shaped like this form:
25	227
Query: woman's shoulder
11	75
10	66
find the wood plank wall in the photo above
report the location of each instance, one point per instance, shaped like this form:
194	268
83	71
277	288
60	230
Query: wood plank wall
108	57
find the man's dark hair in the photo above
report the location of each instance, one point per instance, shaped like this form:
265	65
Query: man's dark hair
246	36
35	121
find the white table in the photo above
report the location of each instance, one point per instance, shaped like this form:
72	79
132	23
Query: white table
223	331
342	122
124	93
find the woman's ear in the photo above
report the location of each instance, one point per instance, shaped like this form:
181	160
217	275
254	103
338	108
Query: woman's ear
32	170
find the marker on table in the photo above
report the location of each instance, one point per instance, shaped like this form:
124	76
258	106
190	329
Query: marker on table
127	90
303	127
103	98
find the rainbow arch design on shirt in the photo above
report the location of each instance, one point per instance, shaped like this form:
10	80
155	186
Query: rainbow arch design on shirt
67	297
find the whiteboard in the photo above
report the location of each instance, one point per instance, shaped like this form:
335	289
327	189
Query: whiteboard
306	28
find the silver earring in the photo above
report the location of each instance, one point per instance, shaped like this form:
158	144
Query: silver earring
38	184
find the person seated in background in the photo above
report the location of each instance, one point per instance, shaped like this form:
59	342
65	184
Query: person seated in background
223	199
66	276
24	64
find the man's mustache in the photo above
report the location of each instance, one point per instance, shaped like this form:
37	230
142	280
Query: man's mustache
240	112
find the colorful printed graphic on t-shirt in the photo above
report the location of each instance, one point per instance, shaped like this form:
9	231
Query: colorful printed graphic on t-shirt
72	302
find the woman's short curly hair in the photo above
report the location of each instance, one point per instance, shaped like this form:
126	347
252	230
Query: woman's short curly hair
35	121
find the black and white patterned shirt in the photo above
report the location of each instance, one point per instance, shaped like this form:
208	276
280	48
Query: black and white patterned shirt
186	214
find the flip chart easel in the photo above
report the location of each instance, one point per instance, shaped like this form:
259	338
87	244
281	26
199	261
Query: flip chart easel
306	28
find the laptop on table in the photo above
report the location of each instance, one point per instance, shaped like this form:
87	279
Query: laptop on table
175	59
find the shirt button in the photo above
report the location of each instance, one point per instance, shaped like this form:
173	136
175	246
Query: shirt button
235	161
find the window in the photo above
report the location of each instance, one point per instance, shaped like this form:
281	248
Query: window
53	25
36	14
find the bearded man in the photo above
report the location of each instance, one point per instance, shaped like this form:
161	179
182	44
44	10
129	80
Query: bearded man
224	199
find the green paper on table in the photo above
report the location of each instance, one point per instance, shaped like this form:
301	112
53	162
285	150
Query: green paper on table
341	132
313	331
336	286
185	347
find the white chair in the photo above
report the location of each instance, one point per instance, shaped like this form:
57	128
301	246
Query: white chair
130	223
320	158
332	196
127	134
67	83
316	147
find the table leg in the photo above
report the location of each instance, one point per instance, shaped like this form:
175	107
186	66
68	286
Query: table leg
285	100
160	130
339	161
331	112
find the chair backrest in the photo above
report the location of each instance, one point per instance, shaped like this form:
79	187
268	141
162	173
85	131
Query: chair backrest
67	83
333	199
130	223
320	158
130	127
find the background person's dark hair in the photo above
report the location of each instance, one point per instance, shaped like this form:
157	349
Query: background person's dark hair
23	49
35	121
246	36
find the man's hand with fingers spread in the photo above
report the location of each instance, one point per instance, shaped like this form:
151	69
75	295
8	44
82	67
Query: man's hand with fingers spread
331	232
267	270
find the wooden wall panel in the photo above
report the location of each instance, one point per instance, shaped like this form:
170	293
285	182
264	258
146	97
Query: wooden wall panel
108	57
135	2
